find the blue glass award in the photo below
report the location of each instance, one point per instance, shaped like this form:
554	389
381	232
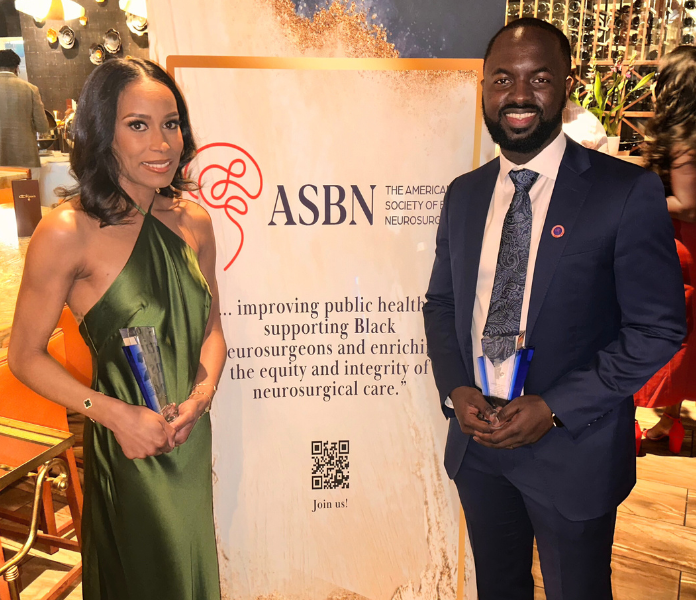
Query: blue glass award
503	367
143	355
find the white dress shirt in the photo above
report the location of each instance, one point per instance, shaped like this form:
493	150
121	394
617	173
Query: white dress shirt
546	163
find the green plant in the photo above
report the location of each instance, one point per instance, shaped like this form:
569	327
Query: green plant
608	99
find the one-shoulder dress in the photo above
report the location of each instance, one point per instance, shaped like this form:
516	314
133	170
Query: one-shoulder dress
148	526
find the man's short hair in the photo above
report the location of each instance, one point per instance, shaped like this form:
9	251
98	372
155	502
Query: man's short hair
529	22
9	59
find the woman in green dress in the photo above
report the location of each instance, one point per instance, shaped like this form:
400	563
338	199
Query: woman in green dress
125	250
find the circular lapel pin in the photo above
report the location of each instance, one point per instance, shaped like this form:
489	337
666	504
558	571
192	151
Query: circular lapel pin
557	231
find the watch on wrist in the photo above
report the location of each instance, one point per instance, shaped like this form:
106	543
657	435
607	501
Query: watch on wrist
556	421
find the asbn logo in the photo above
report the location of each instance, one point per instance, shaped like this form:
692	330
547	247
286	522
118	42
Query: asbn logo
229	177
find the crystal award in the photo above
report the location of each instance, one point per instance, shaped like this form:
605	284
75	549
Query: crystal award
503	367
143	355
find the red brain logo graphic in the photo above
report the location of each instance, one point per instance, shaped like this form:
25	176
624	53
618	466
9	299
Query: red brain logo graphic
229	177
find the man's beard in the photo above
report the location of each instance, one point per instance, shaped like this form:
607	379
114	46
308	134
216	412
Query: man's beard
535	141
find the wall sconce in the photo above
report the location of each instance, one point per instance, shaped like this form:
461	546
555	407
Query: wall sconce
66	37
53	10
137	25
112	41
97	54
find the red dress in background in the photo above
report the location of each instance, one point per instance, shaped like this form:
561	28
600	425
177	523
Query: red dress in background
675	381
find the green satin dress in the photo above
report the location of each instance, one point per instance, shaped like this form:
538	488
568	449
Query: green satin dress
148	526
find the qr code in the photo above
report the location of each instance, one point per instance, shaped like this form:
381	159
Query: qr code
331	465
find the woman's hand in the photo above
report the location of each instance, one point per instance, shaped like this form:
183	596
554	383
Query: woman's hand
142	432
188	415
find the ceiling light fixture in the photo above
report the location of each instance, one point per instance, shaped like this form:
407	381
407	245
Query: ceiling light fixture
134	7
50	10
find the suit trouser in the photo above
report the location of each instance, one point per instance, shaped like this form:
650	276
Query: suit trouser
504	514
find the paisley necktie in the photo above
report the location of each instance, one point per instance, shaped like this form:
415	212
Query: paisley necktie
503	320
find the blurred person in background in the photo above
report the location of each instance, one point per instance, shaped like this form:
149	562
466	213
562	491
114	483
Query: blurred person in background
21	115
670	151
581	125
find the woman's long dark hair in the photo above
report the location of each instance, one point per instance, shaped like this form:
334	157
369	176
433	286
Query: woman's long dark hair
93	161
671	131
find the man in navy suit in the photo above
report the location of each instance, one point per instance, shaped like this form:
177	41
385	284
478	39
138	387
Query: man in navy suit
575	248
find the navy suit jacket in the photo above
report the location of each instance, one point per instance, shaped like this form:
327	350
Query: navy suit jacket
606	312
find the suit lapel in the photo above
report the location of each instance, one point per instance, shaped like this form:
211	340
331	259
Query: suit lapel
570	191
475	210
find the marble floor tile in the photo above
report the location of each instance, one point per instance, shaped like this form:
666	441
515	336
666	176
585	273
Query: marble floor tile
655	542
656	500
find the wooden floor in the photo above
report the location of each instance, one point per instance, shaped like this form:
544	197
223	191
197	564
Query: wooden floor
654	552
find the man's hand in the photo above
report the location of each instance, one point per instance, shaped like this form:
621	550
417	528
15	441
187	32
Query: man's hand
469	403
523	421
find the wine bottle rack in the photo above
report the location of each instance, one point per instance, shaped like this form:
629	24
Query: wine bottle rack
607	31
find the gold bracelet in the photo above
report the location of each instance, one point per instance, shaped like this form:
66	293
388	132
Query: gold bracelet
211	399
211	384
206	410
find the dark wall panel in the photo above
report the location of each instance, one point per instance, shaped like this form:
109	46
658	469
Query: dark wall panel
432	28
60	73
9	19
